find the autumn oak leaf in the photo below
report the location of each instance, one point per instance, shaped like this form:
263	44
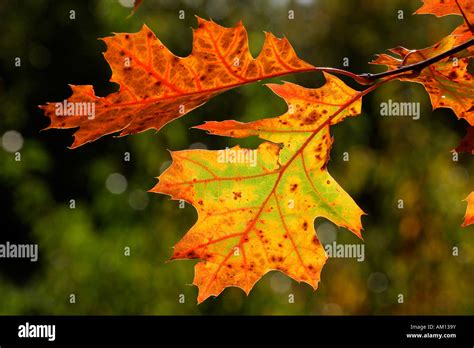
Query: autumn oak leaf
255	216
448	82
157	87
469	217
441	8
463	8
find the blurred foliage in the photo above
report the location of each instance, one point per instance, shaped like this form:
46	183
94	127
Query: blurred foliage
407	251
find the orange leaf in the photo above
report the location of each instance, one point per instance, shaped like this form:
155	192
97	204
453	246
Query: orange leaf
157	87
256	208
447	82
463	34
441	8
469	218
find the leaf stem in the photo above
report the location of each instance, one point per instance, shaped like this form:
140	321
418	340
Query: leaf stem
358	78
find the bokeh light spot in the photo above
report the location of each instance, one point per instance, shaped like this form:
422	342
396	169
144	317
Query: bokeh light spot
116	183
12	141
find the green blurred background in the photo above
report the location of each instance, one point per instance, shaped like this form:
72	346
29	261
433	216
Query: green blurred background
407	251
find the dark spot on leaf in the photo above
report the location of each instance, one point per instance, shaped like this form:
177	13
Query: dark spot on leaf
191	254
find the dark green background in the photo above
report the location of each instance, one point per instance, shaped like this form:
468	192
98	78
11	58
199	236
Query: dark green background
407	251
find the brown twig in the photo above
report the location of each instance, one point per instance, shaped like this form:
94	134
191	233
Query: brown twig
367	78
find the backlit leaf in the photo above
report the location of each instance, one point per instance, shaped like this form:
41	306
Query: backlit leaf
442	8
157	87
469	218
448	82
258	216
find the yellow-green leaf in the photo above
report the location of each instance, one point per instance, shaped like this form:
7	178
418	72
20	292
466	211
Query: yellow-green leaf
256	208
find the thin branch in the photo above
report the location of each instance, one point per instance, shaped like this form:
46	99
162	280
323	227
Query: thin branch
417	67
358	78
368	78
